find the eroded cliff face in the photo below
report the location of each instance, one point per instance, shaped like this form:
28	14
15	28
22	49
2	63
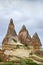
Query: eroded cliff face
24	36
36	41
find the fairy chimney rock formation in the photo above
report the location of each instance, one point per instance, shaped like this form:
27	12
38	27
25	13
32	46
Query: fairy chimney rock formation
10	33
35	40
24	36
11	28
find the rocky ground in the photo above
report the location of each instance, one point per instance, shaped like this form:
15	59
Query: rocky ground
18	52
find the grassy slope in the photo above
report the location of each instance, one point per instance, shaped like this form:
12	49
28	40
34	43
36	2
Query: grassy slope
21	62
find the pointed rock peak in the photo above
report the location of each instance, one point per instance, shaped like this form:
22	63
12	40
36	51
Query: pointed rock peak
11	28
23	35
23	27
11	24
36	39
11	20
35	34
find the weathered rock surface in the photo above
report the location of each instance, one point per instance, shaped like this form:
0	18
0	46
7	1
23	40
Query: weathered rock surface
10	33
35	40
24	36
11	29
16	45
3	57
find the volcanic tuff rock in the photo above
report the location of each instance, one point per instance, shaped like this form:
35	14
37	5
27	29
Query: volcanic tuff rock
24	36
3	57
11	29
35	40
11	32
12	40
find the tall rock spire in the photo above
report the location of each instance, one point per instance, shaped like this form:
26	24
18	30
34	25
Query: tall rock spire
11	28
36	40
11	20
24	36
10	32
11	25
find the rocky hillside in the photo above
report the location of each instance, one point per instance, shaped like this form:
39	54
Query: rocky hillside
18	46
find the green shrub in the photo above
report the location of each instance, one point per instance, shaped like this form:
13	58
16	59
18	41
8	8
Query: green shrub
17	46
27	62
0	60
14	40
31	53
32	63
8	63
22	62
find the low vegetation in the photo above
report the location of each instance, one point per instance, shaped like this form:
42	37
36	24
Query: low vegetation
27	62
0	60
21	62
14	40
31	53
9	63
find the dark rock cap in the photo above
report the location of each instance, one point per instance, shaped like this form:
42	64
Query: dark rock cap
11	20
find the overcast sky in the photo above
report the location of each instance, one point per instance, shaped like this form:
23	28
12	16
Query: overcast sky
27	12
